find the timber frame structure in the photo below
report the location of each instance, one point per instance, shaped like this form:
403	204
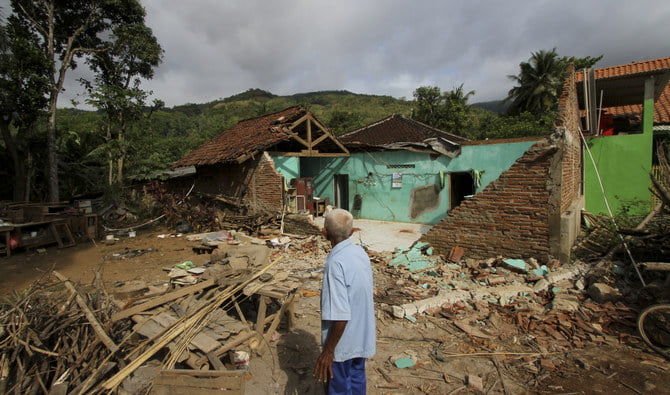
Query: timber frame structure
309	132
291	132
238	166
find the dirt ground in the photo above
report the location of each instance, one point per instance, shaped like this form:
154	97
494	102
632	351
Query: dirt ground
437	347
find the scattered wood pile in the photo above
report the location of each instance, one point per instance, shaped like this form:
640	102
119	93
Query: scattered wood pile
51	338
56	338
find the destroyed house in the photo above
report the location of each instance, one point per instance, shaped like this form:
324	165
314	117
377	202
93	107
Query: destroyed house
405	171
239	166
532	207
626	112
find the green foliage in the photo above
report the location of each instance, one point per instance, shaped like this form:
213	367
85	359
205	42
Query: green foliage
447	111
116	92
540	80
490	125
342	121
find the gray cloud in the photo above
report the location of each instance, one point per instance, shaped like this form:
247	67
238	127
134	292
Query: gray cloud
215	49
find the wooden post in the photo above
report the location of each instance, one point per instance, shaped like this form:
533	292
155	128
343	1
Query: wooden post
262	309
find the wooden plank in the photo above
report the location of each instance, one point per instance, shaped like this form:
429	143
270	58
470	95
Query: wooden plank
262	309
56	236
659	266
239	339
314	154
215	361
162	299
102	335
197	381
277	320
201	341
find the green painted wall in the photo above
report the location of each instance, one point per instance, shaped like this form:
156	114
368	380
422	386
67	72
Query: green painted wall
288	166
381	201
624	163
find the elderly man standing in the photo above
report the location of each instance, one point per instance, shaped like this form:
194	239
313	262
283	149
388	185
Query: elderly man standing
347	310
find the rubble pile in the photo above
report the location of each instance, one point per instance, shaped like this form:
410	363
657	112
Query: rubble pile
559	307
55	337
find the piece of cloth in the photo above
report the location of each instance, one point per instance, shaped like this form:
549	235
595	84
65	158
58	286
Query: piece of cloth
346	295
348	378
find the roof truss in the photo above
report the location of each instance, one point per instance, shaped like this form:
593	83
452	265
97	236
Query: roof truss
309	132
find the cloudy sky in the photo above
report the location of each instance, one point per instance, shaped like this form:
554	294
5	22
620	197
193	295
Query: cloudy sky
215	49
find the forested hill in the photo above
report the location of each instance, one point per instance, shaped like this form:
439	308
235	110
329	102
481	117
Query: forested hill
340	110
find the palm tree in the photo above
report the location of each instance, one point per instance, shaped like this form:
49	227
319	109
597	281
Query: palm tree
538	84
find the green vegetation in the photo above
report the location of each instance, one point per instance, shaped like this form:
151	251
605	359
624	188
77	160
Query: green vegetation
539	82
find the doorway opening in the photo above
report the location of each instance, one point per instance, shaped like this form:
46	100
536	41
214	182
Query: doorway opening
461	185
341	186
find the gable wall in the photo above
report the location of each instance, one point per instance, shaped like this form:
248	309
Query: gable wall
265	187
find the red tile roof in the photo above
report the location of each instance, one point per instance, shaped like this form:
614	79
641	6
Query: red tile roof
662	104
246	137
395	129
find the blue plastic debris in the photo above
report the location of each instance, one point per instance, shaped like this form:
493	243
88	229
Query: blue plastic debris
402	363
410	318
517	265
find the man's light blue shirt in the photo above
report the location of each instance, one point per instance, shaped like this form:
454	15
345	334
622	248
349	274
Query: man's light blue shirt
346	295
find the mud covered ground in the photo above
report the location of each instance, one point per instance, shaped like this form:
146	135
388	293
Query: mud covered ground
447	360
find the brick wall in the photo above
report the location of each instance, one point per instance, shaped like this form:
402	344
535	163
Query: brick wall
522	213
509	217
569	121
265	187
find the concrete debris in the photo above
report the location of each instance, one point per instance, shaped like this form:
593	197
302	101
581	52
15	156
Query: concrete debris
420	306
475	383
564	302
417	258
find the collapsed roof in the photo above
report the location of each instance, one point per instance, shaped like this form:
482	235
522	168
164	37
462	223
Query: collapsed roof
290	132
398	132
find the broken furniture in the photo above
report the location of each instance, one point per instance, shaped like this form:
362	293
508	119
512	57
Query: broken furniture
303	189
285	297
320	206
38	234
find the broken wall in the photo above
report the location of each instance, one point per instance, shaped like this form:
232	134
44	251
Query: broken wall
534	208
254	186
566	224
509	217
371	177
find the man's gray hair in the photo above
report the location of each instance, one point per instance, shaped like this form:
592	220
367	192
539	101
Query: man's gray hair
339	224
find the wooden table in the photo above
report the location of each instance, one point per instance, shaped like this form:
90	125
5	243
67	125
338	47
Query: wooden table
45	232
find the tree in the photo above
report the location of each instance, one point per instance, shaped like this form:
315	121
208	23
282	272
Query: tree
22	98
65	31
540	79
119	72
344	121
448	110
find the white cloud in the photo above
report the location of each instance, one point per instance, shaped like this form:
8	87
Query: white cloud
215	49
